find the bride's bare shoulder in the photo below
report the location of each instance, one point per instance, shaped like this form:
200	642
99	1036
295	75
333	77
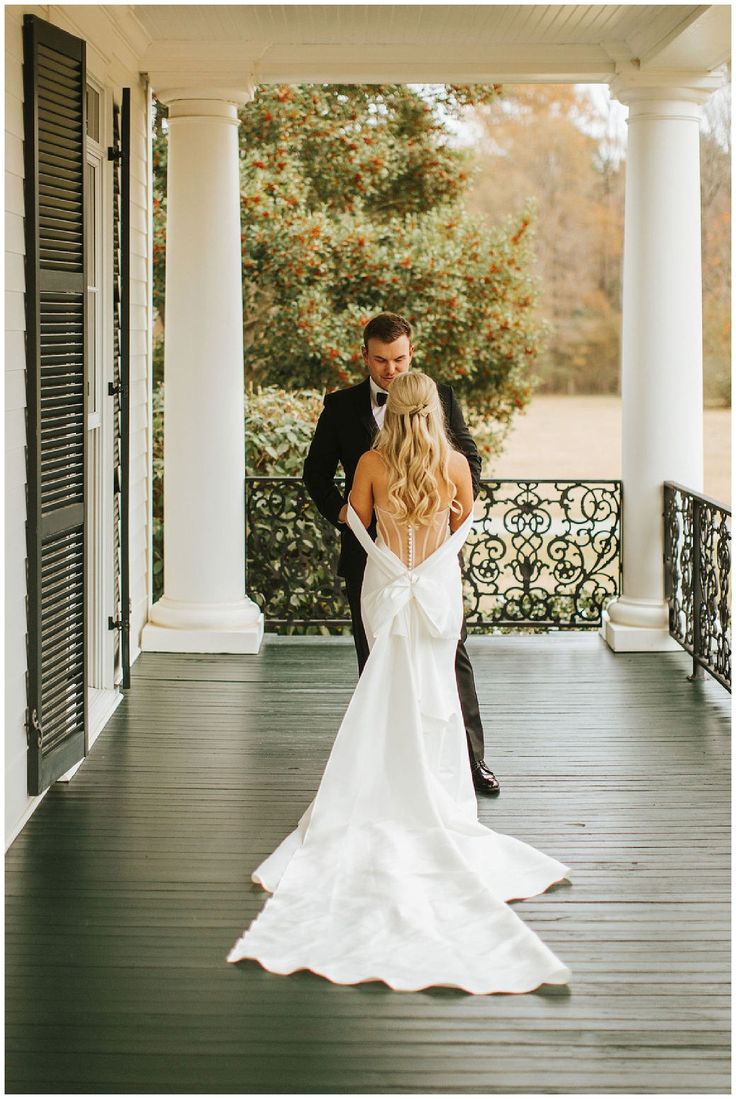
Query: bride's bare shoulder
371	467
458	463
371	460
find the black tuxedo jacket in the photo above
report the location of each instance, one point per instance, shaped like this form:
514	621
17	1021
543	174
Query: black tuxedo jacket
345	430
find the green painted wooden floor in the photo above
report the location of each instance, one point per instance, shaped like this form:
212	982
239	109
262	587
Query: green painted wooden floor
128	886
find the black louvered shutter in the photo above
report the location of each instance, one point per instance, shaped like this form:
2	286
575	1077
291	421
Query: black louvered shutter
119	388
54	83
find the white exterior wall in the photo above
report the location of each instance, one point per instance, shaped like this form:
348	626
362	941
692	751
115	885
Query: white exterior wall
104	53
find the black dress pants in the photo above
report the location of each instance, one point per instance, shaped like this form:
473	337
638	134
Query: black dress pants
463	671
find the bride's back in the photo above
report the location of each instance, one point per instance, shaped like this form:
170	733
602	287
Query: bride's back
412	543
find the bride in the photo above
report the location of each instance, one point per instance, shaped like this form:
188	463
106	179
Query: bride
389	875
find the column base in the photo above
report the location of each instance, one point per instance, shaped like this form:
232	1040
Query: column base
637	626
178	627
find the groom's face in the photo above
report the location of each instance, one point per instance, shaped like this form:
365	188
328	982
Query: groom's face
385	360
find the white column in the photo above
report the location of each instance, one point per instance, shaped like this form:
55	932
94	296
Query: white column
204	607
662	351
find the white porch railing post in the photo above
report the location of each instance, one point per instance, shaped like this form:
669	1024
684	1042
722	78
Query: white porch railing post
204	607
661	347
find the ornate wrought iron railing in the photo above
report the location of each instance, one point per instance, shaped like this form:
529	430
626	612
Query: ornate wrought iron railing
543	554
697	567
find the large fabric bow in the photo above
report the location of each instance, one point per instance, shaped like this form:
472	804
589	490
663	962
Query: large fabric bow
389	601
388	606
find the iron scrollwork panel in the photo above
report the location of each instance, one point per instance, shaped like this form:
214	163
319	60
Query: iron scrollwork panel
543	553
697	559
291	556
678	558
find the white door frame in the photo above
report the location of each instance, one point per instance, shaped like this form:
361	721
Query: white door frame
102	694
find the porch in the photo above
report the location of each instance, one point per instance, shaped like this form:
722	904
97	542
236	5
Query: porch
126	887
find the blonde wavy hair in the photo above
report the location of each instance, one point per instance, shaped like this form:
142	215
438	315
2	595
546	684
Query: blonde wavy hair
414	445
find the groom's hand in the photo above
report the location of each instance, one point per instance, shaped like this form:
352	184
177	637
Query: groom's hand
343	514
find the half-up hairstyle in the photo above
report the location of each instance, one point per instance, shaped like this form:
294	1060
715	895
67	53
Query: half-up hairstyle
414	445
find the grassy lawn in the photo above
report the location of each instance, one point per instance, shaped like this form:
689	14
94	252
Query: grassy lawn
580	437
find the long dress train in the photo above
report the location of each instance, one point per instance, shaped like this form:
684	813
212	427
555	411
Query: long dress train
389	875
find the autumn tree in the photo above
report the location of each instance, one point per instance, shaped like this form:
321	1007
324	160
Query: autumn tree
715	176
535	144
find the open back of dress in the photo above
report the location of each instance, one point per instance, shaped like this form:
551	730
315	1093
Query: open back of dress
413	542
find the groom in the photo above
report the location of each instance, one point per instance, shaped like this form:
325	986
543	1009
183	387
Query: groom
345	430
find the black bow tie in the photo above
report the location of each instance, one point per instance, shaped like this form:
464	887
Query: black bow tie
381	397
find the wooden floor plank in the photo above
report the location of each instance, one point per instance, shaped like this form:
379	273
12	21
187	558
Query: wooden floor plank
127	887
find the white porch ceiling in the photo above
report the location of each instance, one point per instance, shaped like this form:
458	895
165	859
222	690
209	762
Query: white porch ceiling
222	44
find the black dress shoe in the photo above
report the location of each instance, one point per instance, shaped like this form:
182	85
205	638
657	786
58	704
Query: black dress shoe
484	780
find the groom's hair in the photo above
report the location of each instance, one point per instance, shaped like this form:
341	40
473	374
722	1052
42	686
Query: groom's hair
386	327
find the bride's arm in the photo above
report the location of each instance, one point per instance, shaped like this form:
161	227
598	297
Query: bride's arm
463	491
361	494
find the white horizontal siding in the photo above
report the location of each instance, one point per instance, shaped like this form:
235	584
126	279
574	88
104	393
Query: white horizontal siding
14	241
15	385
14	35
103	56
15	428
13	70
15	475
14	116
14	310
15	705
15	279
13	153
13	193
138	349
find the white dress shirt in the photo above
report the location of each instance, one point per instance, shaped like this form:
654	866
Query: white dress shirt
379	410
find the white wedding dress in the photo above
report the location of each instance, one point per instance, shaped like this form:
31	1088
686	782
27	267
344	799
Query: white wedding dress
389	875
